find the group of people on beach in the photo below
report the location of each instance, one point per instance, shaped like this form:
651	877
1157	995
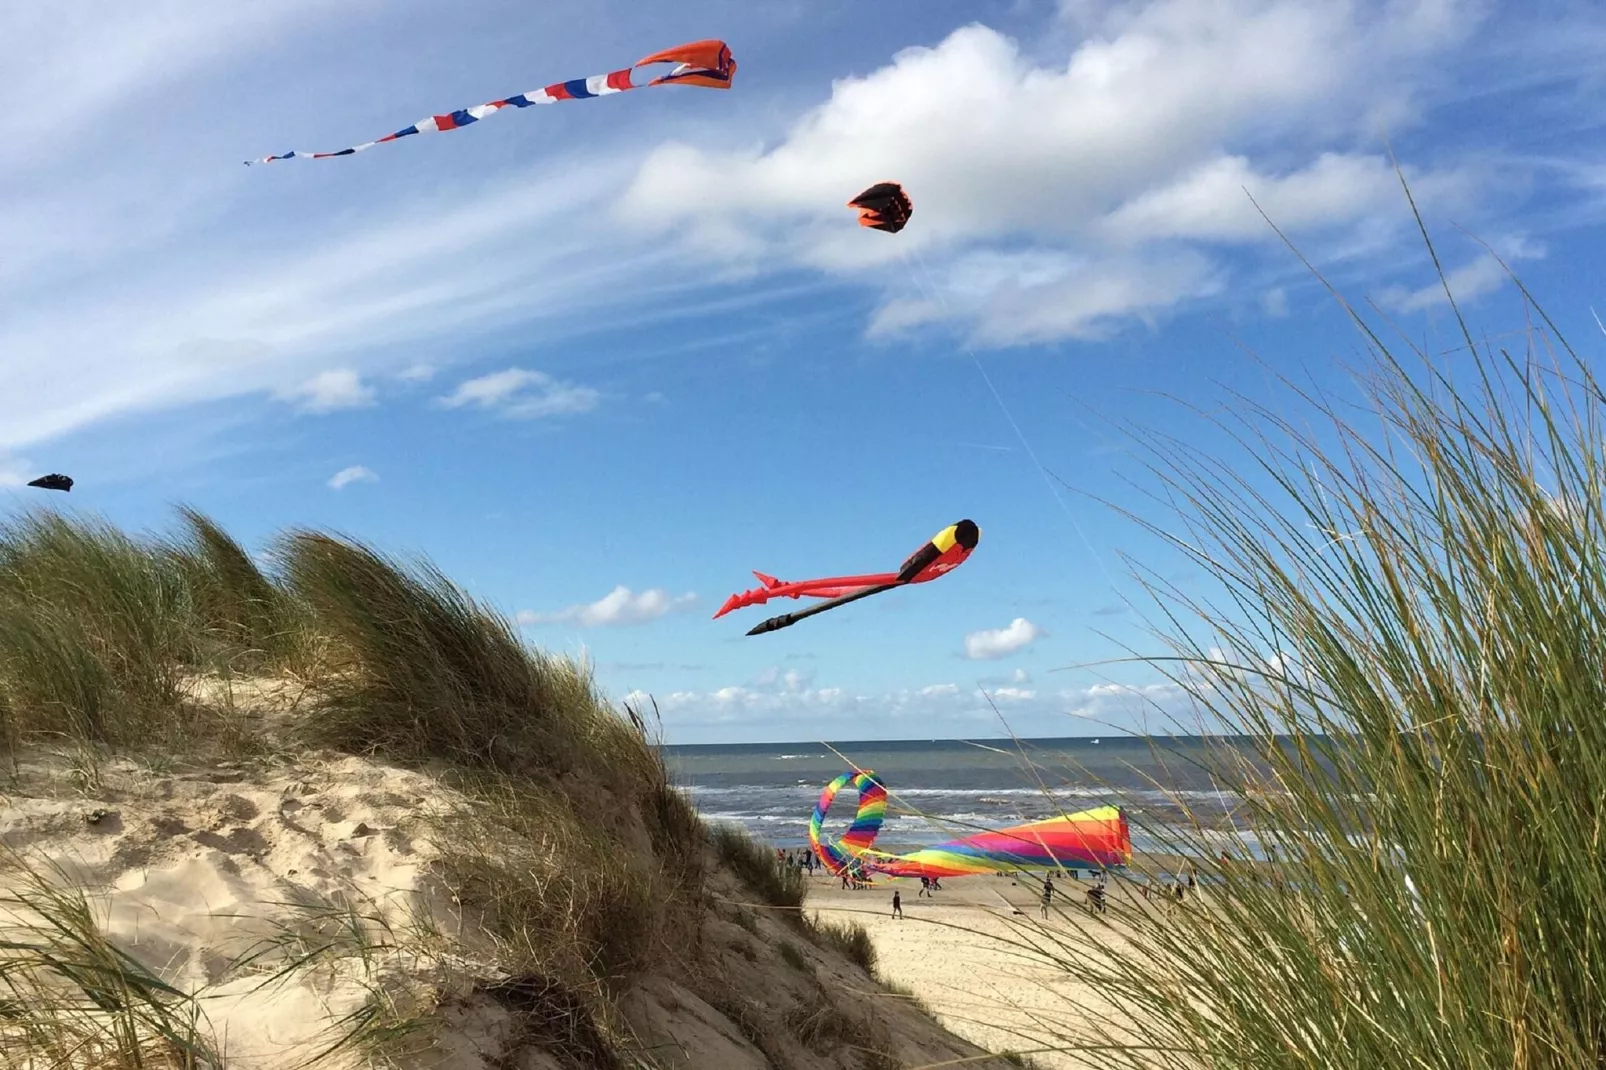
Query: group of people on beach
1177	890
802	858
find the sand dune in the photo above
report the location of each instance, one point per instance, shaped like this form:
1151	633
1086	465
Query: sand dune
190	870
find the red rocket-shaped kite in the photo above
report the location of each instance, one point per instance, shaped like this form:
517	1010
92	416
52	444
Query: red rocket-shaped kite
945	552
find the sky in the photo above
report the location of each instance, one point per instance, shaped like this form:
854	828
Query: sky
600	360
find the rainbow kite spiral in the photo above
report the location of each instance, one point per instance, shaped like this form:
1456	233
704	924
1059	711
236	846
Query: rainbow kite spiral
1096	838
839	854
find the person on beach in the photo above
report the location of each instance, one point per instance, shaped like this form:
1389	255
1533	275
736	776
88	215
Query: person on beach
935	886
1048	894
925	886
897	904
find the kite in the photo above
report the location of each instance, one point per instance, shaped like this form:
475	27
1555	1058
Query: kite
54	481
946	551
705	63
1098	838
884	206
839	854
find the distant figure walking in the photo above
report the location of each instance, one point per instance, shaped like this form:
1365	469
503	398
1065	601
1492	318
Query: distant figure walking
1048	894
925	886
897	904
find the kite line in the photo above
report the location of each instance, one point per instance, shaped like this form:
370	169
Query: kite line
934	295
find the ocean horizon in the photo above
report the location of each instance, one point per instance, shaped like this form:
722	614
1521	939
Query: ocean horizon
942	788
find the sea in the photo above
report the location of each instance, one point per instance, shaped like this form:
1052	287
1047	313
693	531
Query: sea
941	789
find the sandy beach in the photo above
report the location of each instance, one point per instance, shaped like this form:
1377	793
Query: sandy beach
949	950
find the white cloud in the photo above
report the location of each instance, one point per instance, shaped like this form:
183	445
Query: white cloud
1274	302
791	680
1157	704
522	393
1477	277
1212	200
618	606
1020	676
1064	195
417	373
997	642
329	391
355	474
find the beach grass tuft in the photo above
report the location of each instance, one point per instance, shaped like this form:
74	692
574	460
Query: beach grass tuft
850	939
778	884
1406	615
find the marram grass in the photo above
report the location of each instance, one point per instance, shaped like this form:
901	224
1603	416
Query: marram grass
1414	600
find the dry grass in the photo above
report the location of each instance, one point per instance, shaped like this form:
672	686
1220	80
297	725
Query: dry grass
776	883
848	938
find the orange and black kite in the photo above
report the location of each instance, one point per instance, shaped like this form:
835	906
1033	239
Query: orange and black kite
945	552
884	206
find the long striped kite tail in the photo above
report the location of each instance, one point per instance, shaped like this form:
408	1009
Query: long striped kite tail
704	63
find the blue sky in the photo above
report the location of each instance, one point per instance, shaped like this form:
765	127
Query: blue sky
601	359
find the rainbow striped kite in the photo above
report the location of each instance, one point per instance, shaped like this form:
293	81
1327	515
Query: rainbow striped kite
705	63
839	854
1098	838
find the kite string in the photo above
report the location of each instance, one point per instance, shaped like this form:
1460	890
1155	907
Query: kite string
934	295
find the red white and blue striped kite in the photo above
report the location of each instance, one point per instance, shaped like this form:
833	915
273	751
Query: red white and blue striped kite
705	63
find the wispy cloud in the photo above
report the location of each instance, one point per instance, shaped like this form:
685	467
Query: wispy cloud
997	642
86	58
1479	276
619	606
520	392
355	474
207	320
